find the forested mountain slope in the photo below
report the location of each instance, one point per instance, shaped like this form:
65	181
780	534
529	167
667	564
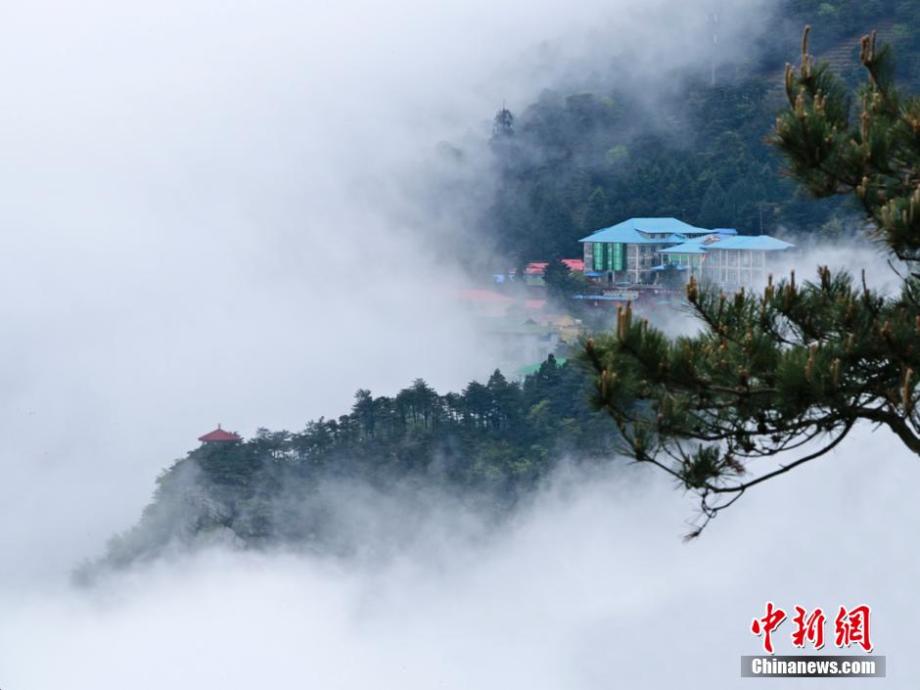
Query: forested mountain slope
490	443
567	164
573	162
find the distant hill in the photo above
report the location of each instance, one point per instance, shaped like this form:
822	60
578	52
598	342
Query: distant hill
491	444
573	162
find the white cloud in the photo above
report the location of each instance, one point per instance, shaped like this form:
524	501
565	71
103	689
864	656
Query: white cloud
204	218
589	587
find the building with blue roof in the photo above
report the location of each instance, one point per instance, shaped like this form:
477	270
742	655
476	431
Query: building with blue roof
637	251
626	252
729	261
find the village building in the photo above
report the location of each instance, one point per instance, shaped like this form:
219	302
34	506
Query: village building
731	262
517	327
627	252
639	251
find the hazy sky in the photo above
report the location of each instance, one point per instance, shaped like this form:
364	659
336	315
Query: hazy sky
203	219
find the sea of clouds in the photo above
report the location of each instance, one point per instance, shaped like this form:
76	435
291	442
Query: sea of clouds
204	218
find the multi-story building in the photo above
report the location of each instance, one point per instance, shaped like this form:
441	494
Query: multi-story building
628	251
638	251
730	262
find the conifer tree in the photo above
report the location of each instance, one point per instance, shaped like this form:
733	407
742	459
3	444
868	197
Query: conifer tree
597	211
789	372
503	124
714	208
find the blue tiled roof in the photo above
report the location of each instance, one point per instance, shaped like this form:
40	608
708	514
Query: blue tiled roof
689	247
688	239
763	243
635	231
756	242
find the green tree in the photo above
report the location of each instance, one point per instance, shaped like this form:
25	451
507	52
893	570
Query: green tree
597	211
365	411
715	209
561	283
505	400
503	124
795	369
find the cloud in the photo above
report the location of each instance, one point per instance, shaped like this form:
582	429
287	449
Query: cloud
588	587
209	213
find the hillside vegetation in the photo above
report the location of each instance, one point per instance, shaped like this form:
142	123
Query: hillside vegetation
574	162
567	164
492	442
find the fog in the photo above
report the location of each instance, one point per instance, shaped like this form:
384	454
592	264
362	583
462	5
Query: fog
208	214
589	587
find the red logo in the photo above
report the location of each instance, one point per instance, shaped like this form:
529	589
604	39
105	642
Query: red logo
766	625
851	627
808	627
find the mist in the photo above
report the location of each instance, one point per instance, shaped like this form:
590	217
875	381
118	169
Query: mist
209	213
208	217
587	587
